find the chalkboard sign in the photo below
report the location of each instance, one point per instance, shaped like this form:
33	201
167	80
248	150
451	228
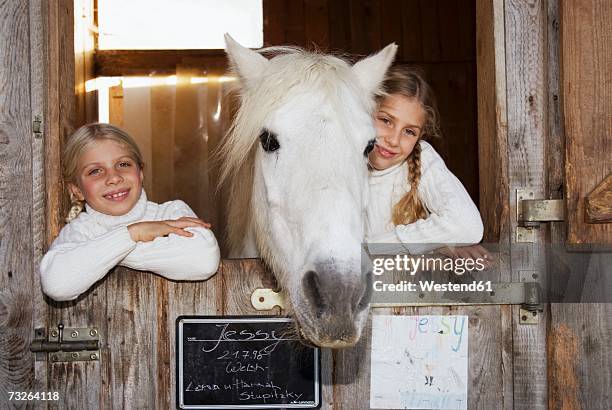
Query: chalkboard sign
244	363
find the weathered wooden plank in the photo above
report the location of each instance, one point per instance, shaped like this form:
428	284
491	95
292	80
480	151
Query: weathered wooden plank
80	383
579	354
587	103
16	199
131	309
77	384
181	298
493	167
526	108
37	97
578	341
492	121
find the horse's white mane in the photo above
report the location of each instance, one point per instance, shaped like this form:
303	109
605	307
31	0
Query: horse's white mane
291	69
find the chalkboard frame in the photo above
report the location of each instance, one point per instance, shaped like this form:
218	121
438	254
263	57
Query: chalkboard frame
245	319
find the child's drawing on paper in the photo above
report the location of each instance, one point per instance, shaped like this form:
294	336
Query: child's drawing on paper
419	362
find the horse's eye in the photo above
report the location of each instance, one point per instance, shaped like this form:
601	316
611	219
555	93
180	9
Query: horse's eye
269	142
369	147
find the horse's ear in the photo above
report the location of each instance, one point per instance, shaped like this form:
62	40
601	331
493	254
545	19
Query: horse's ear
246	63
371	70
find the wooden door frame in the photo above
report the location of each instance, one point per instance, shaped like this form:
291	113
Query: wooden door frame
525	381
513	109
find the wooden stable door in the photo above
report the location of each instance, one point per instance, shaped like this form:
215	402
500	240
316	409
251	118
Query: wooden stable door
524	87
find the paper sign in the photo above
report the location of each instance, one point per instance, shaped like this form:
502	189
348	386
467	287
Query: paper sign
419	362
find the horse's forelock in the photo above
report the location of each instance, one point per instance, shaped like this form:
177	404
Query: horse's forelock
291	67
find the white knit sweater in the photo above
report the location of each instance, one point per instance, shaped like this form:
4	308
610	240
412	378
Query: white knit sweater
93	243
453	218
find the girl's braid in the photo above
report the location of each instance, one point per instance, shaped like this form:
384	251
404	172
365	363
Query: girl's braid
410	209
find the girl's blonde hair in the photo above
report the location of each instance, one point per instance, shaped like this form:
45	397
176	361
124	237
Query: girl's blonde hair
79	141
410	82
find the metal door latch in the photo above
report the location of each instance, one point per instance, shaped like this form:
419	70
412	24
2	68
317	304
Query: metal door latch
67	344
530	212
37	126
525	294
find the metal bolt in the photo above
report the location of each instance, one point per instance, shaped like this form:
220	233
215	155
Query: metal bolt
74	333
534	314
523	318
93	356
54	358
421	295
74	355
93	332
54	333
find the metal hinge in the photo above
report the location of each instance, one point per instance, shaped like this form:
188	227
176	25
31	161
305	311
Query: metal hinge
525	294
37	126
81	344
530	212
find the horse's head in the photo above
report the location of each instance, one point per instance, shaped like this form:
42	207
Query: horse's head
296	155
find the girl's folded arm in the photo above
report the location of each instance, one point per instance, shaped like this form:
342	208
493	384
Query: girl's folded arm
75	262
177	257
453	218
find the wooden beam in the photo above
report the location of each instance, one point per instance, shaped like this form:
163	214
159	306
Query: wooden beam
492	121
163	62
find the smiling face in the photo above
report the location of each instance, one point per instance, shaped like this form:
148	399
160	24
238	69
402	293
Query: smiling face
399	122
108	178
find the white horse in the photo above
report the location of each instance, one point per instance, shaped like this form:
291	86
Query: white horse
295	159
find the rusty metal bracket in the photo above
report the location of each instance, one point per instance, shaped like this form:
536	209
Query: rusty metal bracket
525	294
530	212
72	344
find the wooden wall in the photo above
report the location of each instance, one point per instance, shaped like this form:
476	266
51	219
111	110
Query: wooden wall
438	35
586	75
17	177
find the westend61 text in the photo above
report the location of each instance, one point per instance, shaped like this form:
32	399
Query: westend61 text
429	286
411	264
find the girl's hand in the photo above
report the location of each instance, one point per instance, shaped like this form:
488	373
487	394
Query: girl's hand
472	251
148	230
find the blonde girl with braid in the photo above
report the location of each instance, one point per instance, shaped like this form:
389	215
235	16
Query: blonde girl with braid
112	222
414	199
